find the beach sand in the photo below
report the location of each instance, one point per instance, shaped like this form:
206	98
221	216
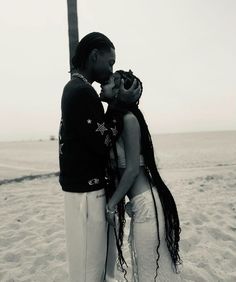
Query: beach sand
32	236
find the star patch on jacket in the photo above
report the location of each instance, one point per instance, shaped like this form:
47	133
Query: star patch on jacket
107	140
114	131
101	128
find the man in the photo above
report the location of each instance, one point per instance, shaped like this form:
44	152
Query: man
84	141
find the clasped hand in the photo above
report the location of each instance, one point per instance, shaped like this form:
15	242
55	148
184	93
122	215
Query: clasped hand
111	216
130	95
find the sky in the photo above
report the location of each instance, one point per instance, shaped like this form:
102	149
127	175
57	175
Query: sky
183	51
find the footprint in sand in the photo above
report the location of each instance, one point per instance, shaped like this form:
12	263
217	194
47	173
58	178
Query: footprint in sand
217	217
11	280
197	221
200	219
43	260
232	206
203	218
61	256
185	245
14	226
232	228
189	243
192	273
186	223
219	234
11	257
209	178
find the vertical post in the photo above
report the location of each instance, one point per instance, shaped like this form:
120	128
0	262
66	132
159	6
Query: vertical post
72	28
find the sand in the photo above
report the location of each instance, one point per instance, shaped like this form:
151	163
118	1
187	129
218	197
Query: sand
32	237
32	245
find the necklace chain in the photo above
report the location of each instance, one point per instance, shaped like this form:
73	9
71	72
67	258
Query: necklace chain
79	75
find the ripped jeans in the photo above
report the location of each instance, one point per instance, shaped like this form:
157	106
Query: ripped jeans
143	240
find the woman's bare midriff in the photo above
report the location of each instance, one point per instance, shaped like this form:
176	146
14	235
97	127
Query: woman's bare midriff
141	183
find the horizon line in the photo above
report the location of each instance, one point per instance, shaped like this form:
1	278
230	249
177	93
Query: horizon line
55	138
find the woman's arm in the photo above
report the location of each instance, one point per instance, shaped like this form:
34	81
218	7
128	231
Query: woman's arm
131	139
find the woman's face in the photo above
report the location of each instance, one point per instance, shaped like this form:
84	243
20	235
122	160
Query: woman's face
110	89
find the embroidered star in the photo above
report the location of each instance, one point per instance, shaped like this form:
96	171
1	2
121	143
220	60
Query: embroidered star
60	148
114	131
89	121
93	181
107	140
101	127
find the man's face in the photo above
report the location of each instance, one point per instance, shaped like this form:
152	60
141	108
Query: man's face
103	67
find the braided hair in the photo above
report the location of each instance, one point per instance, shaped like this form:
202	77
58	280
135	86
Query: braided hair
93	40
172	225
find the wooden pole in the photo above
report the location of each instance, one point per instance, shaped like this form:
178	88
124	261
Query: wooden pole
72	28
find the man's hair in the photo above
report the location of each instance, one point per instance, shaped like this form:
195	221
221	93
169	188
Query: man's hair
93	40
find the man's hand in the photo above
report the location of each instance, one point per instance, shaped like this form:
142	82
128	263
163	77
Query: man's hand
130	95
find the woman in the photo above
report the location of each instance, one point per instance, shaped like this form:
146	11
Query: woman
154	230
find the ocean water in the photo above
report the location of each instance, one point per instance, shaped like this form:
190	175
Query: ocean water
18	159
172	151
195	150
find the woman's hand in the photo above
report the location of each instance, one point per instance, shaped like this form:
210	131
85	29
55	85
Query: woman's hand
111	215
130	95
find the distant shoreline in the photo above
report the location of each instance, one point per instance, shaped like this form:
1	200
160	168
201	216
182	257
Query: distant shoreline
154	134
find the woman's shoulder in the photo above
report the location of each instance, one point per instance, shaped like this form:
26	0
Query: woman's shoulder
131	122
131	129
130	117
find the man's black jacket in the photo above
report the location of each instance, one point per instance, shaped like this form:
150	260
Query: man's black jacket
84	138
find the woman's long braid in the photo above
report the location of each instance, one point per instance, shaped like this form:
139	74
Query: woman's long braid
121	219
172	226
168	204
120	237
157	222
166	198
